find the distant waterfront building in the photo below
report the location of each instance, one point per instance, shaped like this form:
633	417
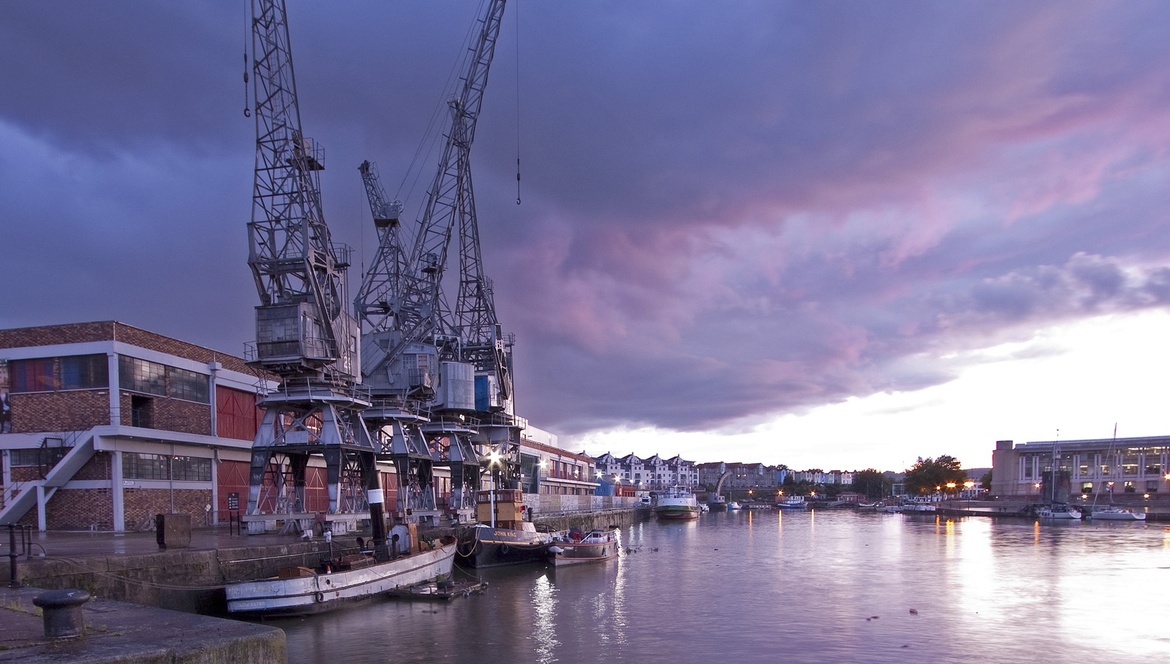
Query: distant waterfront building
1133	467
649	474
552	470
710	472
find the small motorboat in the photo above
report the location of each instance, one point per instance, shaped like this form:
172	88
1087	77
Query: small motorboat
574	547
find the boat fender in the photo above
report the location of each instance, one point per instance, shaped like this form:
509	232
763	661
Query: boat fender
320	597
505	549
555	549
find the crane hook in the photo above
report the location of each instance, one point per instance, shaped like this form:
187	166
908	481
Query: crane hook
247	111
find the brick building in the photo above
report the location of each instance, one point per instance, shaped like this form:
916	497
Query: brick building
105	425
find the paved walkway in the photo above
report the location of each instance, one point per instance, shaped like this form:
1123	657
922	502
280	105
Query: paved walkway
72	544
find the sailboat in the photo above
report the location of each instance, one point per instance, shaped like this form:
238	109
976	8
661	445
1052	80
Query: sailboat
1113	512
1055	510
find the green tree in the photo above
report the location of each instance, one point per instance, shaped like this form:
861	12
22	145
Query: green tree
930	475
985	481
870	482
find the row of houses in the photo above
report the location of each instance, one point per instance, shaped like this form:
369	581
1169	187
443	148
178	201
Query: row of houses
762	476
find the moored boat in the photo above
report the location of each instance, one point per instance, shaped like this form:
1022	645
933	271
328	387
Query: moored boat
338	582
502	537
484	546
918	507
1112	513
717	503
791	503
734	506
1058	512
574	547
676	503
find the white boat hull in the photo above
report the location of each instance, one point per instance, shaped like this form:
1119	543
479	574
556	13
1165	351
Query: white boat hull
322	592
1117	515
1059	513
676	504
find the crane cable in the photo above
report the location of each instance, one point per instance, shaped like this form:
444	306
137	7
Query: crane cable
247	33
517	15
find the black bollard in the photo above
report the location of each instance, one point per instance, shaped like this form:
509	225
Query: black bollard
62	612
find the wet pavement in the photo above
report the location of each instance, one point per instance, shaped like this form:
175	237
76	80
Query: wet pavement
120	632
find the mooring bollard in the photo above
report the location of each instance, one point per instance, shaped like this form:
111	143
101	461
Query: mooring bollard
62	612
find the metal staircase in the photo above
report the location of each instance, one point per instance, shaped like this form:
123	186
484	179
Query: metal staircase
59	475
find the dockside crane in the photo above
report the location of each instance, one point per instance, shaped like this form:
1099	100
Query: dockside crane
305	333
401	382
416	351
482	344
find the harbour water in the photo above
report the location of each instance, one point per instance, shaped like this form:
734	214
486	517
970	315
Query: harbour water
807	586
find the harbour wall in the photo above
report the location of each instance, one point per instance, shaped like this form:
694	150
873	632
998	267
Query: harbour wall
192	580
618	518
183	580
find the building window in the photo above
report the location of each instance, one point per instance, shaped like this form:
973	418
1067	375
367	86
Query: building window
1087	487
40	456
85	372
153	378
142	376
1129	465
1152	486
136	466
191	469
32	375
141	411
188	385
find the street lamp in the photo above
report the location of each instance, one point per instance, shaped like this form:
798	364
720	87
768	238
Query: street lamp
968	485
493	459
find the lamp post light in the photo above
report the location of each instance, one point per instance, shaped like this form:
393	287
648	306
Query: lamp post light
493	459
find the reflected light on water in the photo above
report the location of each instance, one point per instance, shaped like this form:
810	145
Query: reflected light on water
544	633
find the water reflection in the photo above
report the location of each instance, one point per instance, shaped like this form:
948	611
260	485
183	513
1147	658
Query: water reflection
824	586
545	633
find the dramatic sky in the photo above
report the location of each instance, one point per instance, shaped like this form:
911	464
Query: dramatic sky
828	234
